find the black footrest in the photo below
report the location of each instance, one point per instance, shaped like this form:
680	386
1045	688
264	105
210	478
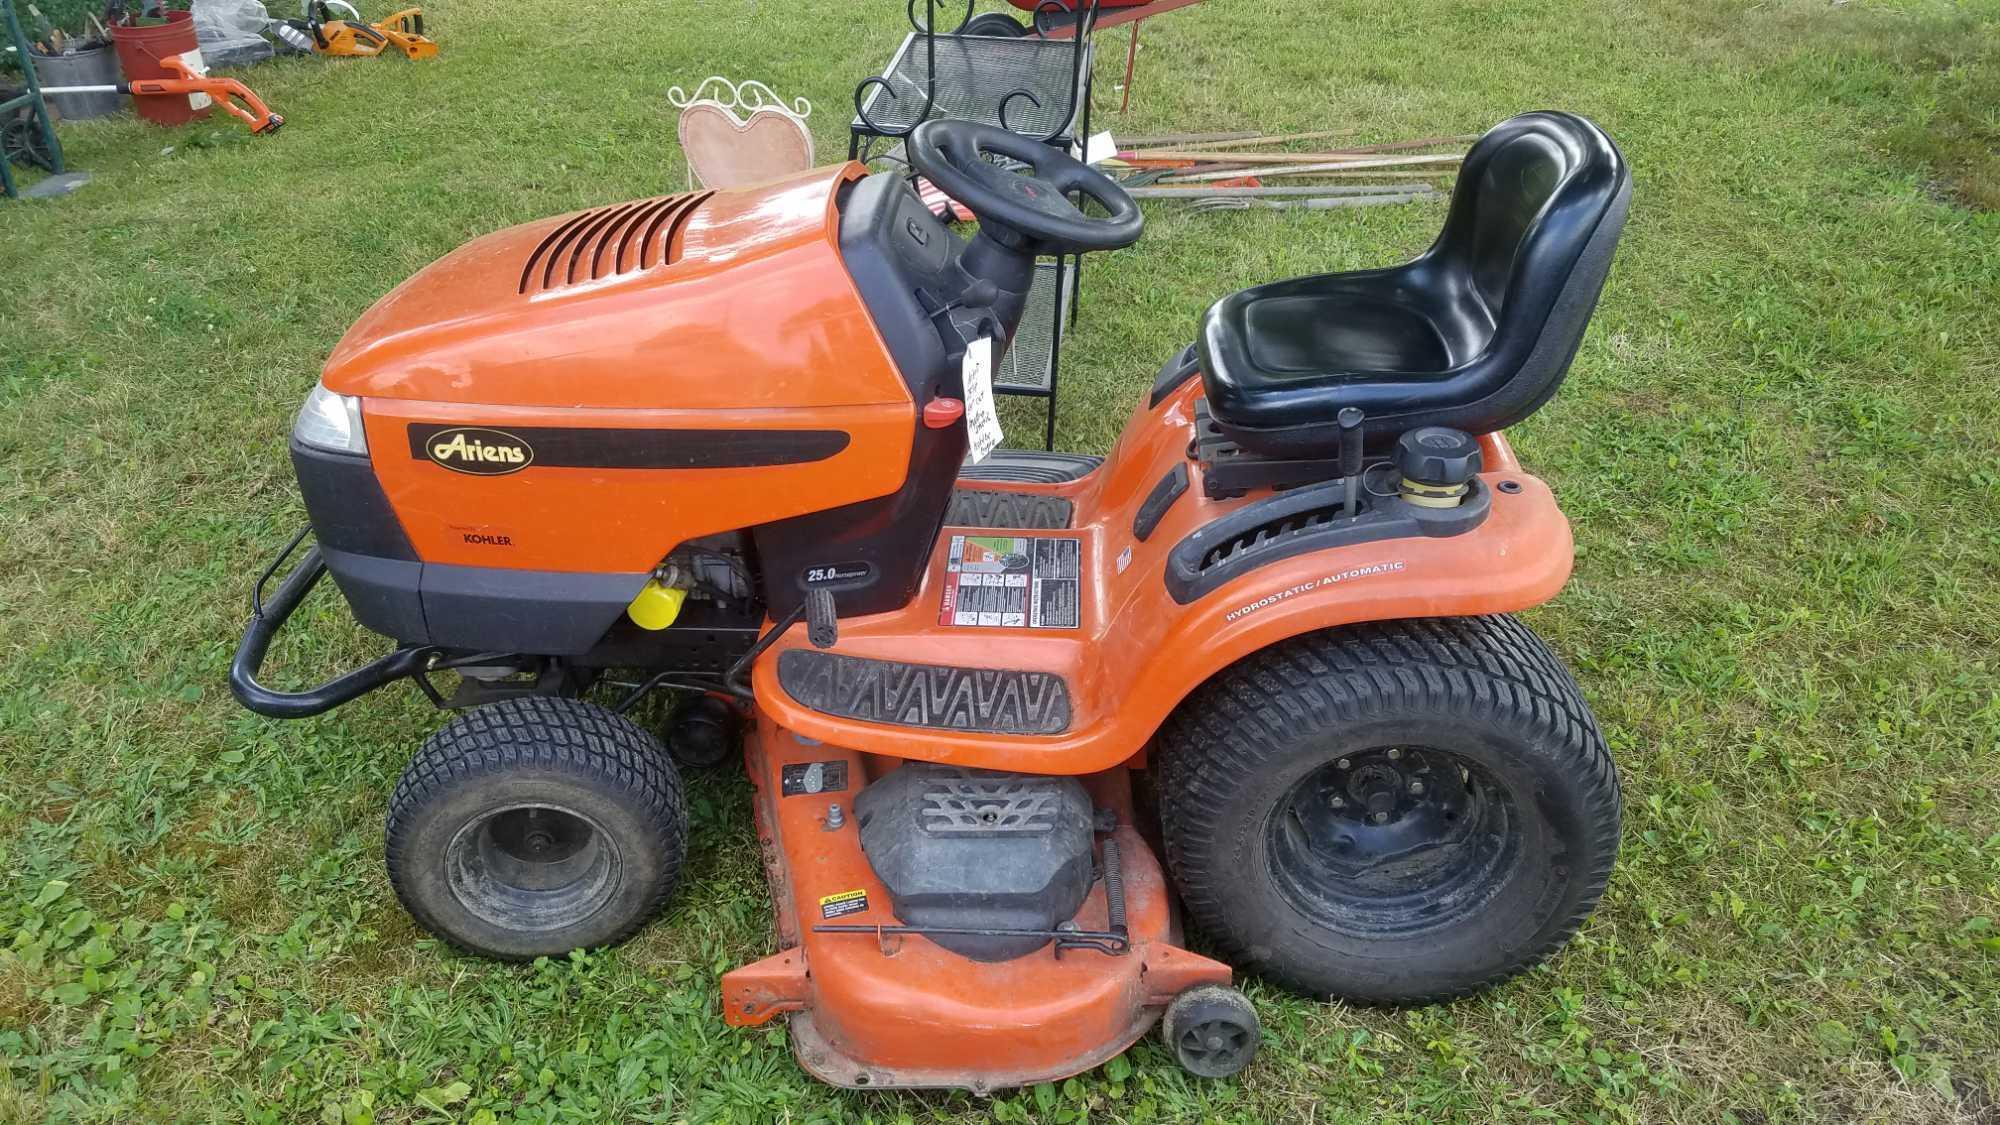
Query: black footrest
942	697
979	507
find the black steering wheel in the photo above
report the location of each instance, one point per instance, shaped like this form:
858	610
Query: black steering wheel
1034	208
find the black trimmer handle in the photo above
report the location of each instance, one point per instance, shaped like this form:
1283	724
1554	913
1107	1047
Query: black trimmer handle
269	616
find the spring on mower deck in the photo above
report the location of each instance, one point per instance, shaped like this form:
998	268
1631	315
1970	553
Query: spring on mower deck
1114	887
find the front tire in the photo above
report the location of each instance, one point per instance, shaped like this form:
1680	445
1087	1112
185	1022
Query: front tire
535	826
1395	812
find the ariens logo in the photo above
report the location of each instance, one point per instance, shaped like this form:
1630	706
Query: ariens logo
482	452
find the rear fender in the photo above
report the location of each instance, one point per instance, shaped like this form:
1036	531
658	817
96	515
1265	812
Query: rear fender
1136	652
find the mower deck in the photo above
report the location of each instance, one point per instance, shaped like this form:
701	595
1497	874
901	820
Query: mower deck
921	1015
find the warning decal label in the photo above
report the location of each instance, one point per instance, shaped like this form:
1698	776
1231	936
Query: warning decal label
843	904
1013	582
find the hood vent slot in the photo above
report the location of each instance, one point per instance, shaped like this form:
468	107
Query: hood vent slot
610	241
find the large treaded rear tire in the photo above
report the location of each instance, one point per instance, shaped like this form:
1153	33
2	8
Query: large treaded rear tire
1485	692
540	756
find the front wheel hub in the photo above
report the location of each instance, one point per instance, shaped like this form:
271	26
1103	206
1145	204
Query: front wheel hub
532	867
1376	787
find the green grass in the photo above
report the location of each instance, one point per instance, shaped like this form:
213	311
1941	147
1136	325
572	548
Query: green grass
1777	448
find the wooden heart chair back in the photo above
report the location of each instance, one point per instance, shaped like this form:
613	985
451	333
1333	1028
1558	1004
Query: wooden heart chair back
736	134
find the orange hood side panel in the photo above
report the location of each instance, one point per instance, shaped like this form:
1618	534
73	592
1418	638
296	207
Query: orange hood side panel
623	519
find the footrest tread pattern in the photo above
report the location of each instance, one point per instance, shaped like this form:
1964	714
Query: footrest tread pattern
978	507
942	697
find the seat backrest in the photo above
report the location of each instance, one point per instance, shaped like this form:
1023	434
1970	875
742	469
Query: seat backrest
1540	202
1492	312
1530	193
1513	181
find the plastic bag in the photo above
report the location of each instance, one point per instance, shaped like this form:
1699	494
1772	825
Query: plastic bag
231	32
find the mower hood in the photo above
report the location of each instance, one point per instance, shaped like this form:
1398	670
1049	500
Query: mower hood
728	300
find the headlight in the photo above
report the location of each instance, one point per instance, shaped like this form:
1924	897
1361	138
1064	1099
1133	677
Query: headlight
331	421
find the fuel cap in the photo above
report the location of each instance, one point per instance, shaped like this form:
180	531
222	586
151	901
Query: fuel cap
1438	456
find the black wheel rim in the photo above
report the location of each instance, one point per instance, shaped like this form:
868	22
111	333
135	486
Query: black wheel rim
1217	1045
532	867
21	143
1395	841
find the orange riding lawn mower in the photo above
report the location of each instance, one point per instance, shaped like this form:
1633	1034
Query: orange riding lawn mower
1007	718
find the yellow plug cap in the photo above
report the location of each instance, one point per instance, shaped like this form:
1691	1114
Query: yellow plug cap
657	606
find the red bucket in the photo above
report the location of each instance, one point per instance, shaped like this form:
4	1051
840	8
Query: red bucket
142	52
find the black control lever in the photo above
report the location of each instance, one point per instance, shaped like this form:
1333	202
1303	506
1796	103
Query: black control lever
1349	420
822	624
980	294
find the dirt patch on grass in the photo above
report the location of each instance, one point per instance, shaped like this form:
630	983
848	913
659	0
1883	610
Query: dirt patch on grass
1958	137
1976	1102
19	1006
1866	60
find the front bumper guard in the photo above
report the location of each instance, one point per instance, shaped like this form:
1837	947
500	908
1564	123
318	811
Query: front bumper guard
266	617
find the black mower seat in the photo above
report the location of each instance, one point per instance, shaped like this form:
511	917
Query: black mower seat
1475	334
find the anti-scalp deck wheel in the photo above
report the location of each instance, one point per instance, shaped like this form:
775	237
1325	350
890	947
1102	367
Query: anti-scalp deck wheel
536	826
1394	812
1212	1030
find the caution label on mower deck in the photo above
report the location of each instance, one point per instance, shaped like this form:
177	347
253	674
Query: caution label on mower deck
1013	582
843	904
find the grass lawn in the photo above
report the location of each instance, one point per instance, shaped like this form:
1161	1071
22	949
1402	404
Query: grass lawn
1777	448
